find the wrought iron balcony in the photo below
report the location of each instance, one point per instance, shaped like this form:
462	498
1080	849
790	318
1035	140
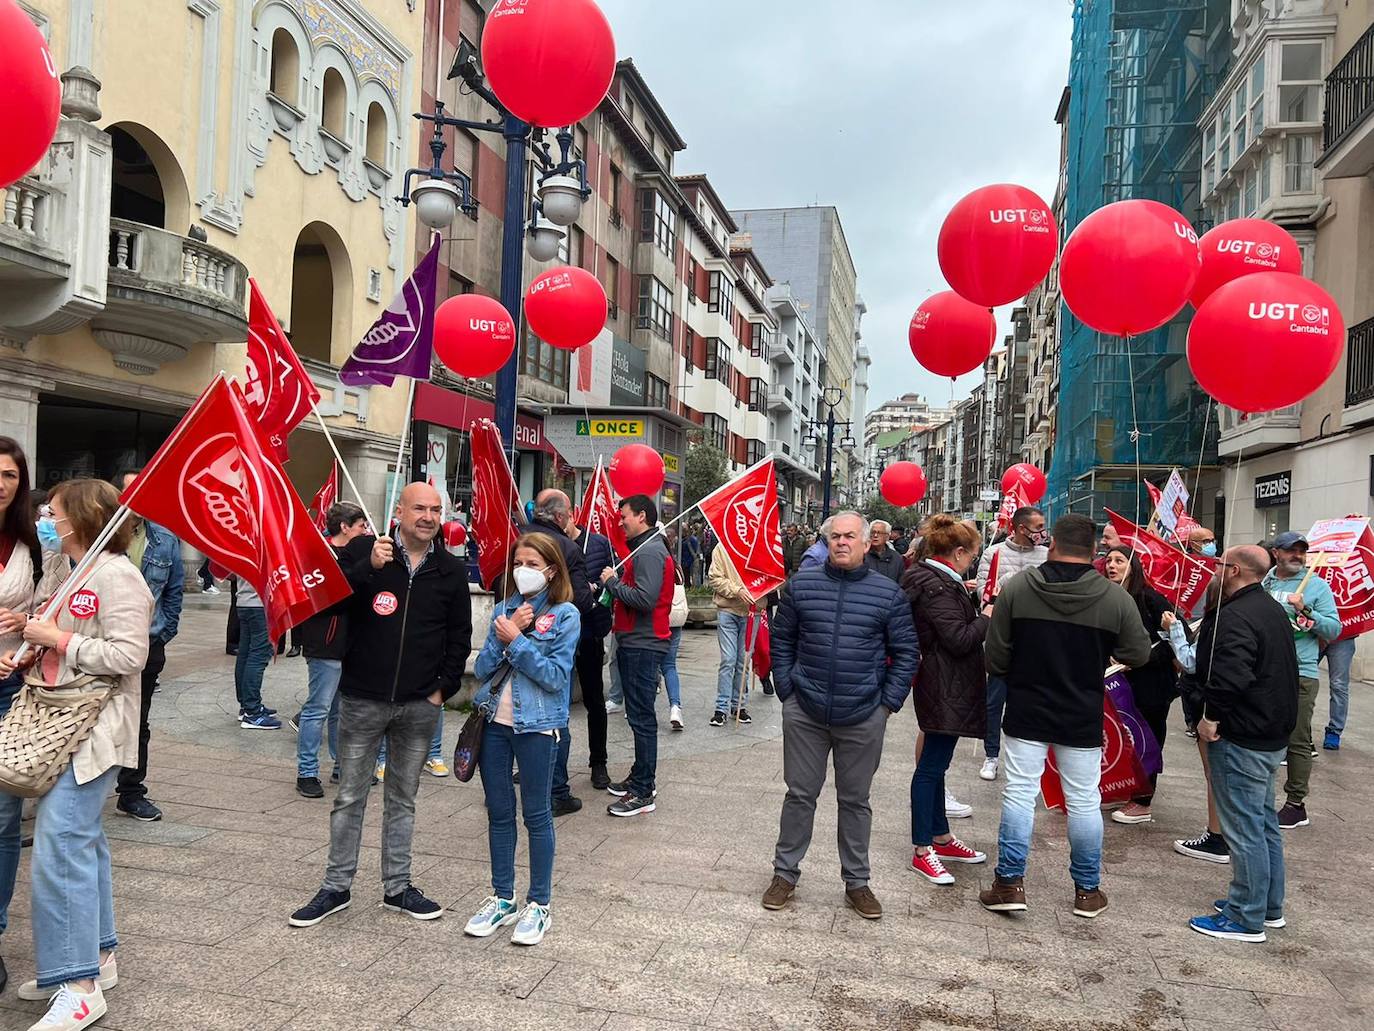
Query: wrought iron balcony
1359	364
1349	105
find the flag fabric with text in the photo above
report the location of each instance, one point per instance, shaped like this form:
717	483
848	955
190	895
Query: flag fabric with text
1180	577
325	498
495	500
744	515
600	512
1011	501
213	485
279	393
401	342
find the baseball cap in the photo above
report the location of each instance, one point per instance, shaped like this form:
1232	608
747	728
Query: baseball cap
1290	539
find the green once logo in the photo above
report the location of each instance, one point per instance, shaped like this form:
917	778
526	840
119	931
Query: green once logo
584	428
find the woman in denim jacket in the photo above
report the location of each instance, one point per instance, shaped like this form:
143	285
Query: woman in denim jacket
526	673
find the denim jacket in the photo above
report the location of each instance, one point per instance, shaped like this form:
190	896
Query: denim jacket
541	661
166	579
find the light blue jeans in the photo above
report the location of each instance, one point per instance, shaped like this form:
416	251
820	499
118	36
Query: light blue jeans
1080	771
321	707
669	668
1339	656
73	906
1243	788
11	813
730	635
436	743
502	748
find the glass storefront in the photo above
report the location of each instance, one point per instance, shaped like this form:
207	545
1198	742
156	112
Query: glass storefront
79	438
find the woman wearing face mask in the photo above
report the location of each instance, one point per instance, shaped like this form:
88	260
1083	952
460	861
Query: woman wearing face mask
525	668
1154	685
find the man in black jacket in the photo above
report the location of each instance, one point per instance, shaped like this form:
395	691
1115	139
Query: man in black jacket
410	631
881	558
1247	664
553	517
1055	629
591	655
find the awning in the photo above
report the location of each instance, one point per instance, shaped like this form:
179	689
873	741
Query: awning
459	411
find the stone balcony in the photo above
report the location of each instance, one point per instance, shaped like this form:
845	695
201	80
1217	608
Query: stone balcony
1257	433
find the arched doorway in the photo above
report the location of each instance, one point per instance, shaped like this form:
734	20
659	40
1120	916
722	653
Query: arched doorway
146	183
321	294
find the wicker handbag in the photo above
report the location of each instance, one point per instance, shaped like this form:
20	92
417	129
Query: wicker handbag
43	730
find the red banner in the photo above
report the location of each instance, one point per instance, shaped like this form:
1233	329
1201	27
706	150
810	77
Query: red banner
1180	577
1156	497
324	500
494	499
212	484
990	585
600	513
1123	776
279	392
1011	501
744	515
1341	552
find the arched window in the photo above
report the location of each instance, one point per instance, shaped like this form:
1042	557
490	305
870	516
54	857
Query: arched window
376	134
135	188
321	292
335	104
286	68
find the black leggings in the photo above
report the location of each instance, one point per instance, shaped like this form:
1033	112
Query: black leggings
1155	713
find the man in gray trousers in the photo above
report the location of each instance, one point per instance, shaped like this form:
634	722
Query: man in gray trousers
844	654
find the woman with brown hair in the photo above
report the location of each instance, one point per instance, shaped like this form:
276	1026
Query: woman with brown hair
99	638
950	693
525	668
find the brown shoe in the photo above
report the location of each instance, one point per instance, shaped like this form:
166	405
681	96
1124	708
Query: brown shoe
1088	903
779	893
861	900
1005	896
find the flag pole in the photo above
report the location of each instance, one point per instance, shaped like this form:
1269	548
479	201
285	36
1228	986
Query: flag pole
400	451
324	428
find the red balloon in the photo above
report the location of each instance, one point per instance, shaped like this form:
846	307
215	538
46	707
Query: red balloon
455	533
951	336
1242	247
566	307
1029	478
636	469
30	95
549	61
1265	341
997	243
1128	268
902	483
473	334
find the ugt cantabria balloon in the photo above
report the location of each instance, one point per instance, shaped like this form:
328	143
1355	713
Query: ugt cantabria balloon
30	95
902	484
566	307
473	334
1030	480
636	469
997	243
1242	247
950	336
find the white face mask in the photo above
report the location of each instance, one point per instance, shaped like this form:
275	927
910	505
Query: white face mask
529	580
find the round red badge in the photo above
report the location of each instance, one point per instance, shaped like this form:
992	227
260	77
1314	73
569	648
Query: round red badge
384	603
545	623
83	604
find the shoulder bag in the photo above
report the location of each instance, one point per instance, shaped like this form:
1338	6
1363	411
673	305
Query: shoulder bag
44	729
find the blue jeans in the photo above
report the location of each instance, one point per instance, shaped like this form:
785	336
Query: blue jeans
730	635
928	819
436	743
11	813
1080	771
535	755
668	668
997	701
73	906
1339	656
255	652
639	675
321	707
1243	789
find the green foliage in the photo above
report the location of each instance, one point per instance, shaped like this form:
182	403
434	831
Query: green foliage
706	470
875	506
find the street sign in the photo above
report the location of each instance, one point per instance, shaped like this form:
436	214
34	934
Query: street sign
989	494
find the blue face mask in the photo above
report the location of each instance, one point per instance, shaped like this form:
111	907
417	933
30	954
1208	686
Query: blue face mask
48	536
1210	549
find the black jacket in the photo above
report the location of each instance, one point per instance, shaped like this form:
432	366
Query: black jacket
1155	684
596	555
572	557
887	562
951	690
1247	665
325	634
407	636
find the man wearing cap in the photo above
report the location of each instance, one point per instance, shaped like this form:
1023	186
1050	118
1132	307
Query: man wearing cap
1311	609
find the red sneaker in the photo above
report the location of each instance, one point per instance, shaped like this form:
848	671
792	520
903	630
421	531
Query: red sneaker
956	851
930	867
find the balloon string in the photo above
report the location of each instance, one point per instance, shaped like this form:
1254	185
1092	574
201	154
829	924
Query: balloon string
1135	425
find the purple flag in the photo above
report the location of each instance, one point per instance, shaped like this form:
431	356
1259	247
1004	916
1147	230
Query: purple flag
1146	747
401	342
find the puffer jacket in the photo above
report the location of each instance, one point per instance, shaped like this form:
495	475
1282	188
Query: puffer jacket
950	693
843	642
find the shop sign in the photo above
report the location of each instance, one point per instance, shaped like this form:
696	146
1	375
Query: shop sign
1274	490
670	463
610	427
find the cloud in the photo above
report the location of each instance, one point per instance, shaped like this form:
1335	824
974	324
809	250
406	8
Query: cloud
888	109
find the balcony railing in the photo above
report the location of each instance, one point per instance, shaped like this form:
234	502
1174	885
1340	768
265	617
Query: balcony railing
1359	364
1349	92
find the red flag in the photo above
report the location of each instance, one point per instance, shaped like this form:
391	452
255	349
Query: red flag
1341	552
1123	775
600	512
1156	498
744	516
279	392
494	499
1180	577
325	498
212	484
990	587
758	643
1011	501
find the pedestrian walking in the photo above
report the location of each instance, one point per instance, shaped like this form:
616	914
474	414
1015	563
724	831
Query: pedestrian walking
254	652
881	558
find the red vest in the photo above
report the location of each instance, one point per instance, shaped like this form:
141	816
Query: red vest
623	618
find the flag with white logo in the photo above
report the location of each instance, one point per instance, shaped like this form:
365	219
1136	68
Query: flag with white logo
278	393
495	500
401	342
1341	552
744	515
600	512
1180	577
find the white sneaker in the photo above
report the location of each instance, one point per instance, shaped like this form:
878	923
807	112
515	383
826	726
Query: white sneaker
989	770
212	589
955	809
535	921
494	914
675	716
109	978
613	707
71	1010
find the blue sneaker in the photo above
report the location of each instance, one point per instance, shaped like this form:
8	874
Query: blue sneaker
1332	741
1220	906
494	914
1218	926
260	720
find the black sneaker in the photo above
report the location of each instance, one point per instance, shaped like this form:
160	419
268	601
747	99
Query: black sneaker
139	808
310	787
619	789
1293	814
743	716
717	719
601	780
334	776
1207	846
767	685
295	721
564	806
325	903
412	902
631	805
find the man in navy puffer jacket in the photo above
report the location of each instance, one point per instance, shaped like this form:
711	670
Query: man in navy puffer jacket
844	654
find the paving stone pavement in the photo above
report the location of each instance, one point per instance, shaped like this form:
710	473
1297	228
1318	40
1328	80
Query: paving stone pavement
657	922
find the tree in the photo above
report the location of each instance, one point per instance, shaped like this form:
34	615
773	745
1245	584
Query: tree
875	506
706	470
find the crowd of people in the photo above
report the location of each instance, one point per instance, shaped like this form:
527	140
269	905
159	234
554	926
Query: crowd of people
1005	644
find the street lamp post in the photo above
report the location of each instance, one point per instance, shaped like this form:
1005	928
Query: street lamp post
831	396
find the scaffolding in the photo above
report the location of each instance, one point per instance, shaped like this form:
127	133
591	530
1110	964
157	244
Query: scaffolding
1140	75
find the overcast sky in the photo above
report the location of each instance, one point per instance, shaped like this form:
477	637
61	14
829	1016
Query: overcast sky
888	109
